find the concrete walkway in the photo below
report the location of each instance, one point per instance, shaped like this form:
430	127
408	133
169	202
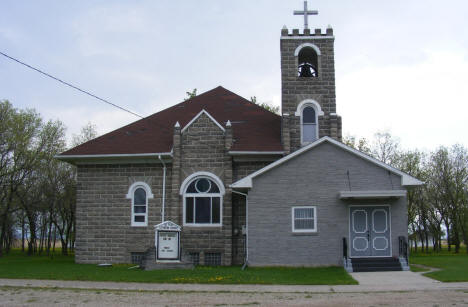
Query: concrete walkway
368	282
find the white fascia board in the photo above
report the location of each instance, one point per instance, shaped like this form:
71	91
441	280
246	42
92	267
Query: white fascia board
105	156
233	152
406	180
372	194
245	182
198	115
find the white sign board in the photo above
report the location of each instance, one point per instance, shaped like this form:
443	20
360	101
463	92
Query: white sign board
168	245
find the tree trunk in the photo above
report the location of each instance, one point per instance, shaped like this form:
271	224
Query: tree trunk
448	235
22	232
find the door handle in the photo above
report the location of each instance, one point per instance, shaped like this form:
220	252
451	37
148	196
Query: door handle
368	235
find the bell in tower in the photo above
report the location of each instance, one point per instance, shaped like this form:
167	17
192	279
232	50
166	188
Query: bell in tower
308	99
307	60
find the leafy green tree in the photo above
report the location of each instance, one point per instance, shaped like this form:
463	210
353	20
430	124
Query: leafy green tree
87	133
361	144
266	106
191	94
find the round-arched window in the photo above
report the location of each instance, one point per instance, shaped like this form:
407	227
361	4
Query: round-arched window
202	202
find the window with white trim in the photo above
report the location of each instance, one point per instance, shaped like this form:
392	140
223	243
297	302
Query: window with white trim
304	219
202	203
139	193
309	124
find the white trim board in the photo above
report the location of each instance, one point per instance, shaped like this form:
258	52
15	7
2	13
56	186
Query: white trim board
406	180
139	155
232	153
372	194
197	116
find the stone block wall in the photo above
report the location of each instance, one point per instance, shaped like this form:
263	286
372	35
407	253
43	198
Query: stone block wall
103	213
203	148
295	89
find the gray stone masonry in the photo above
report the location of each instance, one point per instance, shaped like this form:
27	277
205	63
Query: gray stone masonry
103	213
314	179
295	89
104	232
203	148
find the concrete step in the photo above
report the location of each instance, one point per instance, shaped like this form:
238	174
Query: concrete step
375	264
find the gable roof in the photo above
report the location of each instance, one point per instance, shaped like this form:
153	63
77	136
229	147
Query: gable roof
406	180
253	127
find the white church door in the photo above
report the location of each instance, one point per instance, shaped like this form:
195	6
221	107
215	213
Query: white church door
369	231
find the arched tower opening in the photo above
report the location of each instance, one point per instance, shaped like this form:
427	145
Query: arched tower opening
308	63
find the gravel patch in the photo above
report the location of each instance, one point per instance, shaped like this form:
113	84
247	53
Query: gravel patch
24	296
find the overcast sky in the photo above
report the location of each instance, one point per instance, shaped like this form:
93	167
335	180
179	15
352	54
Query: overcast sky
400	65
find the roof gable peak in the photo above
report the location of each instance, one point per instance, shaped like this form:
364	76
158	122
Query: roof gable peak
198	115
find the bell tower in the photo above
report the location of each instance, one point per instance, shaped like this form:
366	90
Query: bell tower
308	85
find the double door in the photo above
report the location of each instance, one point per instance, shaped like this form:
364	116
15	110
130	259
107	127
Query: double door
369	231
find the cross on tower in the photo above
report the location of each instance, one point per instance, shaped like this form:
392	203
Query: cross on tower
306	14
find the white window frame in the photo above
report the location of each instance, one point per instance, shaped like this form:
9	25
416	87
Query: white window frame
318	112
131	195
184	194
304	230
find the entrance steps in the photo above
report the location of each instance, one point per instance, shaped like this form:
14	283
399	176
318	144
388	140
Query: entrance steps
148	262
376	264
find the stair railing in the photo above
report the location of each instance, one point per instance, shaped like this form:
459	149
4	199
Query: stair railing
345	252
403	247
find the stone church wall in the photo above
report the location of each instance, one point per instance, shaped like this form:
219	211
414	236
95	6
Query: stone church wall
103	213
295	89
203	149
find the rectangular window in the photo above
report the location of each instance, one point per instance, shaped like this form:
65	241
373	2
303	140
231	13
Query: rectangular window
212	258
204	210
189	210
304	219
194	258
137	258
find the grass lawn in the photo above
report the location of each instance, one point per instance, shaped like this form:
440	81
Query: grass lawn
454	267
18	265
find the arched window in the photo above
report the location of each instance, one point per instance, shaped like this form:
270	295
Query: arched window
139	193
309	111
203	200
307	63
309	125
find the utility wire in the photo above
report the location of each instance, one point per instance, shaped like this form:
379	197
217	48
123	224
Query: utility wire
70	85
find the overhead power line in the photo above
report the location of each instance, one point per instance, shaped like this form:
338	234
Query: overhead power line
70	85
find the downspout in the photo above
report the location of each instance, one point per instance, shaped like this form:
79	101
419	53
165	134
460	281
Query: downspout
246	261
163	189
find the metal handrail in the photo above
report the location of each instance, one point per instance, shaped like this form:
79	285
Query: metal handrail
403	247
345	249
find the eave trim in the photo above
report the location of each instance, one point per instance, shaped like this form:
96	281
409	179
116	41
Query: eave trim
372	194
406	180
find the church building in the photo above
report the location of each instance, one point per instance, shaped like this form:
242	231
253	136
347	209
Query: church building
219	180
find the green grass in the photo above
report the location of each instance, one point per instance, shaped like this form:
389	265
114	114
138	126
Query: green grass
415	268
18	265
453	267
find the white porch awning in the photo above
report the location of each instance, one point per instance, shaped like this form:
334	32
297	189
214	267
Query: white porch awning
372	194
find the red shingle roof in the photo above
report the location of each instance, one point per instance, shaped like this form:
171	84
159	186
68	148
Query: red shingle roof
254	128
